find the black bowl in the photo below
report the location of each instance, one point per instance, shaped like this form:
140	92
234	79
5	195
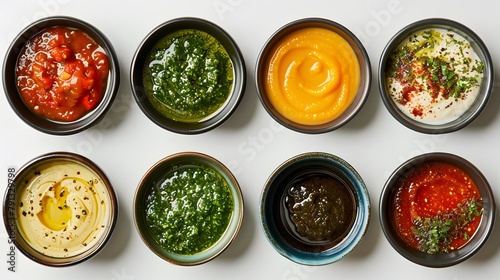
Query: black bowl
364	65
444	259
10	83
476	107
141	93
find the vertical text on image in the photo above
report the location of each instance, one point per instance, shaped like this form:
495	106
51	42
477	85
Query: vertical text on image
11	213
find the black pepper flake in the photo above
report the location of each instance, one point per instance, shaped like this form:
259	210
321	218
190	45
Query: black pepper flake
51	188
102	201
84	244
74	227
60	207
78	173
85	198
74	181
84	212
65	175
77	216
37	172
61	194
45	248
31	201
21	204
65	250
46	234
24	213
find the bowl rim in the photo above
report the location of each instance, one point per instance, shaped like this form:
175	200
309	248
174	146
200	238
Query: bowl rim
10	218
460	255
228	236
487	83
364	63
358	230
239	80
43	124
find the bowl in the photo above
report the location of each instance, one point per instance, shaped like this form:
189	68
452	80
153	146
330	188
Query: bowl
59	209
174	105
443	247
78	110
188	208
445	94
314	209
319	95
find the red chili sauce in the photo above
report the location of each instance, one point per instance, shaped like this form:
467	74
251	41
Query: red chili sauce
62	73
437	208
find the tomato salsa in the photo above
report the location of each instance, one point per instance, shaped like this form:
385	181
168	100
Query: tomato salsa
62	73
437	208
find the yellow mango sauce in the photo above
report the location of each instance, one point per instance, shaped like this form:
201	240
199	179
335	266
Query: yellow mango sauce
313	76
62	209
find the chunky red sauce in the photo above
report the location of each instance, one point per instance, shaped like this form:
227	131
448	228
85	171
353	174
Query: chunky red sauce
62	73
431	198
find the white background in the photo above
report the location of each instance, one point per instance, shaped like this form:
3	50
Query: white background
126	144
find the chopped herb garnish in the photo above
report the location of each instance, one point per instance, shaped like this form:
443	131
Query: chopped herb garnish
435	234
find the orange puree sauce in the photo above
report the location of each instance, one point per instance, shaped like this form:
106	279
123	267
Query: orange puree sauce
313	76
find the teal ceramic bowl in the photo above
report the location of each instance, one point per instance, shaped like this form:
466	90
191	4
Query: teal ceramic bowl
155	177
275	218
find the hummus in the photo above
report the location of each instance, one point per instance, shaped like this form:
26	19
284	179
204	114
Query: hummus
63	209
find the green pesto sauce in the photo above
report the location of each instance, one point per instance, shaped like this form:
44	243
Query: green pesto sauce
189	210
188	75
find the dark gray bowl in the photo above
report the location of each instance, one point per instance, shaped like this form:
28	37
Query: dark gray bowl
17	103
454	257
364	65
486	87
139	92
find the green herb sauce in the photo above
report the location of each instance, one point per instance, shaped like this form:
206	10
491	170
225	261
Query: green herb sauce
189	210
188	75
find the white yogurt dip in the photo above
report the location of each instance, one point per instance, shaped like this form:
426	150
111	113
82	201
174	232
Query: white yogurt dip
434	76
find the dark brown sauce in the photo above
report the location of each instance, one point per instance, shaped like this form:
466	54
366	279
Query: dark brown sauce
318	210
